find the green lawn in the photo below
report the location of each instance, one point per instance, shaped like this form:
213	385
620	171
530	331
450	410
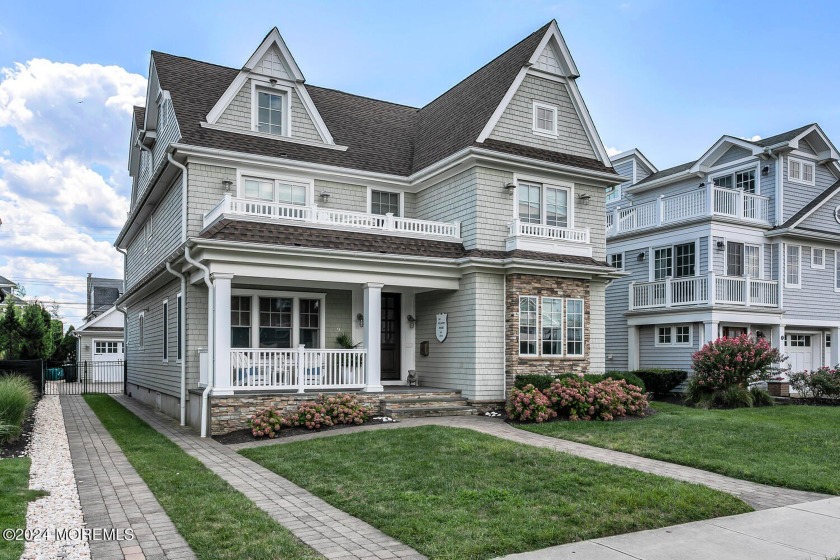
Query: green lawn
457	494
216	520
791	446
14	495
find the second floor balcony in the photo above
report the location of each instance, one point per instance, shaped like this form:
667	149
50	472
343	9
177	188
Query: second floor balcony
387	224
704	290
708	201
552	239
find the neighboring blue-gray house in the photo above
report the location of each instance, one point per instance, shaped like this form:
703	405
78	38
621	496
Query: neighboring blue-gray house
745	238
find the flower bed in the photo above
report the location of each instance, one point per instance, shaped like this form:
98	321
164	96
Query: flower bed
325	412
577	399
820	384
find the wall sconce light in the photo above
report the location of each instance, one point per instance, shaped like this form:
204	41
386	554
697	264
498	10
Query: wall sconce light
411	321
641	256
361	319
765	171
273	81
510	186
702	186
759	334
227	184
720	245
325	196
584	198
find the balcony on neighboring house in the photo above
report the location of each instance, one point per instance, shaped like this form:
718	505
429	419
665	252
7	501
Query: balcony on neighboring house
704	202
242	208
704	290
548	239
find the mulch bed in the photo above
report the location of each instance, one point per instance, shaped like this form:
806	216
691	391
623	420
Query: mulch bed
17	448
244	436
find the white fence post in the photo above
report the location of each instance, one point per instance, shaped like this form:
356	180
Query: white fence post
300	368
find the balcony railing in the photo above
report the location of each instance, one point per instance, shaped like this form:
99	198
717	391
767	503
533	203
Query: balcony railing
571	235
708	201
293	369
340	219
704	290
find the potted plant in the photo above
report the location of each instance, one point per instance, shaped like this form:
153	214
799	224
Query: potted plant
349	371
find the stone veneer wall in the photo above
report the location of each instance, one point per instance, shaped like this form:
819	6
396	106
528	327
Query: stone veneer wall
548	286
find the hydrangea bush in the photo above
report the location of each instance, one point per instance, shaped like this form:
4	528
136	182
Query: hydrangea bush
724	369
529	404
313	415
577	399
345	409
268	422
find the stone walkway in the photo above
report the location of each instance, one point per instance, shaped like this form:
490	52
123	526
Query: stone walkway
112	494
759	496
800	532
328	530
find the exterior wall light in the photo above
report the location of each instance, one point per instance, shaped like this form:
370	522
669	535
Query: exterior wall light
227	184
411	321
361	319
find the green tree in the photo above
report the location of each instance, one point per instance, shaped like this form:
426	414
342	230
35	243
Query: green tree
66	349
34	333
9	332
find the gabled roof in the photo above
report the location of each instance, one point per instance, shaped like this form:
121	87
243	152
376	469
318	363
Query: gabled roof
6	282
96	323
668	172
640	157
783	137
380	136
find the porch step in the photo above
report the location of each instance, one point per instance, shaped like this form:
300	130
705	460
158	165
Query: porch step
428	402
425	412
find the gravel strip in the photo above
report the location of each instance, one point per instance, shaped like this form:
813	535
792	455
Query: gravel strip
52	471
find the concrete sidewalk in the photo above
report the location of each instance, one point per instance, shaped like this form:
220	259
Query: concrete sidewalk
803	531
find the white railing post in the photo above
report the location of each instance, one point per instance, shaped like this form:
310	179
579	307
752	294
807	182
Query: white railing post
710	198
313	214
739	203
301	367
226	208
614	226
747	291
631	296
668	292
457	227
389	221
660	208
712	288
515	228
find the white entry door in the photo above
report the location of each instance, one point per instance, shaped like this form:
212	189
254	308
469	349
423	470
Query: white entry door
800	349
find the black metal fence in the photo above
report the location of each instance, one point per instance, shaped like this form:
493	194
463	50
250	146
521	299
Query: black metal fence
74	378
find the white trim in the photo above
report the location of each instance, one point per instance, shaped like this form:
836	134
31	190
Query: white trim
610	260
546	183
313	113
582	328
243	173
636	153
536	105
294	140
836	269
818	266
274	39
717	150
802	163
165	331
798	285
369	201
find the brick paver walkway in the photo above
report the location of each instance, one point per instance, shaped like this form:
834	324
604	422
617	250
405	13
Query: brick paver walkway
759	496
330	531
112	494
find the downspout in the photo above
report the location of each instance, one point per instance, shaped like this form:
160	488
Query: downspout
211	334
183	342
184	175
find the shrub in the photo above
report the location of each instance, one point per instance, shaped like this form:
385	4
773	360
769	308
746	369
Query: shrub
17	395
570	398
541	381
578	399
821	383
631	377
661	382
724	368
529	404
313	415
345	409
267	423
761	397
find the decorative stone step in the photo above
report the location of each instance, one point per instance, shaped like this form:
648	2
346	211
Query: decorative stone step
424	412
413	396
436	402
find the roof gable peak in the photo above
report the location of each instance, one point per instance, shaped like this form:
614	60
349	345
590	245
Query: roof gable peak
553	55
273	58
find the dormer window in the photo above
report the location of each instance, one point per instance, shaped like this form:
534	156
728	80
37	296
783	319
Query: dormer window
545	119
271	110
800	171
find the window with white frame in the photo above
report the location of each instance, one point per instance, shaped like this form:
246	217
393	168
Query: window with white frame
613	193
310	323
271	190
817	257
743	260
107	347
552	326
801	171
543	204
662	263
141	328
793	254
744	179
240	322
383	202
179	301
574	327
271	112
165	337
528	325
674	335
277	320
545	118
616	260
677	261
837	271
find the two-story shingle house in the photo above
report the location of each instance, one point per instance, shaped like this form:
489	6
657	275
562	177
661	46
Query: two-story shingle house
745	238
289	239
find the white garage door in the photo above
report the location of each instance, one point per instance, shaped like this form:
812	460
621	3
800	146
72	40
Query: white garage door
107	364
800	351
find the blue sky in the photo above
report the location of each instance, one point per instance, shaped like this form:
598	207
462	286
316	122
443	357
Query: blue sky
666	77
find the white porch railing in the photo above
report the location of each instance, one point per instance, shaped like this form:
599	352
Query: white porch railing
230	205
572	235
298	369
708	201
704	290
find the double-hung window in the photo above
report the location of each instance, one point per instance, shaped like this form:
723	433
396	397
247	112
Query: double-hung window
275	325
271	112
545	119
817	257
270	190
684	260
141	329
793	255
552	326
743	260
240	322
616	260
740	180
528	325
382	203
801	171
662	263
543	204
574	327
277	320
309	323
673	335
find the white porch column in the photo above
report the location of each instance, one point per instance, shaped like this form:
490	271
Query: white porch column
632	348
834	354
778	333
373	335
712	330
221	346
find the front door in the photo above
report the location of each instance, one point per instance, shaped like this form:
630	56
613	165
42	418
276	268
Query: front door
390	348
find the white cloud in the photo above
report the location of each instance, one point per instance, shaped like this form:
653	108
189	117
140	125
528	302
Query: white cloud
755	138
613	151
71	111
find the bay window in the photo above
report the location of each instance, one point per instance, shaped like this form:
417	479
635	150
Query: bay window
543	204
551	326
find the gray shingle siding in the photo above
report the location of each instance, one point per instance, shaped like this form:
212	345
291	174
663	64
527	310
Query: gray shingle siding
167	132
516	123
205	192
665	357
797	195
822	219
732	154
816	298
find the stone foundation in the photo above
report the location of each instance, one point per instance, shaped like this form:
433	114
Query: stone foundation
547	286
